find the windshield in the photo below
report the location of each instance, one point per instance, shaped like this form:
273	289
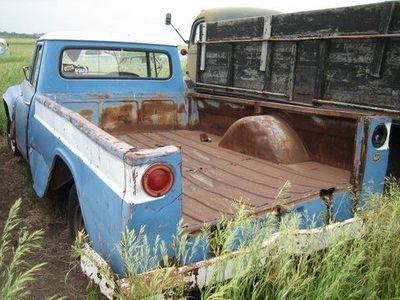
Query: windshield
106	63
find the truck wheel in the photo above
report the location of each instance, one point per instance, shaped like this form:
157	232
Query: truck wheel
74	214
12	142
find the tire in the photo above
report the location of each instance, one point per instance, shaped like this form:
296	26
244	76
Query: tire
12	142
74	214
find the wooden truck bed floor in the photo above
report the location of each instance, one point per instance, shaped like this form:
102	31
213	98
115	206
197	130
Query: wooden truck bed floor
214	178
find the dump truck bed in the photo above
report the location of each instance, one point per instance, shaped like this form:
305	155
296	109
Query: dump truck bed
215	178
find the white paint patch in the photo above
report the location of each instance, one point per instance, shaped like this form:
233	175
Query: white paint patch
97	269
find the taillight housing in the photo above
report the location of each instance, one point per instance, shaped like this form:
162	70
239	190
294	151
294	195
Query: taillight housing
379	136
158	180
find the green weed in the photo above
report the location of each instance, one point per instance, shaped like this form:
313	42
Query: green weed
15	272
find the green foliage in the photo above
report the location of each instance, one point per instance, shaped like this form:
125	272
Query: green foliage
21	51
365	268
15	272
15	35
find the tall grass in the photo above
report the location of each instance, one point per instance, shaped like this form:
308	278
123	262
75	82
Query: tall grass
367	267
15	272
21	51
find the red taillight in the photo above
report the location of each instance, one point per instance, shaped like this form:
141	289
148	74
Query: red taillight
183	51
158	180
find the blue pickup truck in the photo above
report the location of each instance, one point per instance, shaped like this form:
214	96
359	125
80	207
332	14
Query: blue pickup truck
110	120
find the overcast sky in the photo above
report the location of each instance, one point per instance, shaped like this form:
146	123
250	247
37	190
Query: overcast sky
144	19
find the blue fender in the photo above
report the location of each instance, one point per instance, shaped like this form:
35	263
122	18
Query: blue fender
41	171
10	98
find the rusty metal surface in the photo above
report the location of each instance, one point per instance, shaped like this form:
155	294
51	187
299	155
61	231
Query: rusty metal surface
267	137
217	117
123	117
292	107
327	135
329	140
214	178
87	114
127	114
159	113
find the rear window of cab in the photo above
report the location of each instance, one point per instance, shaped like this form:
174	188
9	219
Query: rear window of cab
82	63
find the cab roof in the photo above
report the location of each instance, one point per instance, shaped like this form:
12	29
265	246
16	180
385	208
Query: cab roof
96	37
227	13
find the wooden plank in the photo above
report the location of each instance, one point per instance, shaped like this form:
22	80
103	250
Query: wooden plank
268	62
346	20
380	47
321	70
292	69
231	67
235	29
362	66
264	47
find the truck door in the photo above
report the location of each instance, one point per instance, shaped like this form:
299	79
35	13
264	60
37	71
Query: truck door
195	35
28	88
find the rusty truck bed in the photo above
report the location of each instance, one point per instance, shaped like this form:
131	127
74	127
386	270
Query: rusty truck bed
214	178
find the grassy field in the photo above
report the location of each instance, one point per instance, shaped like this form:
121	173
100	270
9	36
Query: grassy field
11	69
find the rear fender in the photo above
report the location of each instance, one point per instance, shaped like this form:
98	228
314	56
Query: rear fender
10	99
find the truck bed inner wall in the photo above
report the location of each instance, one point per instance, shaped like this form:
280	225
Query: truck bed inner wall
329	140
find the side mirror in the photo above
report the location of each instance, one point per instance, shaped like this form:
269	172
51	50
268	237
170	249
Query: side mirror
168	22
168	19
27	71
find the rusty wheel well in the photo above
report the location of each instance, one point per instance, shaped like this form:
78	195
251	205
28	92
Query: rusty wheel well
61	176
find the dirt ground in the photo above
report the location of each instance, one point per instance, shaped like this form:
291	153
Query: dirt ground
15	182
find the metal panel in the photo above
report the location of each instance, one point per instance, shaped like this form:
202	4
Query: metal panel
355	62
264	47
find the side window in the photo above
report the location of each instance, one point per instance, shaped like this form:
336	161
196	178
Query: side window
133	62
36	66
197	33
159	65
114	64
